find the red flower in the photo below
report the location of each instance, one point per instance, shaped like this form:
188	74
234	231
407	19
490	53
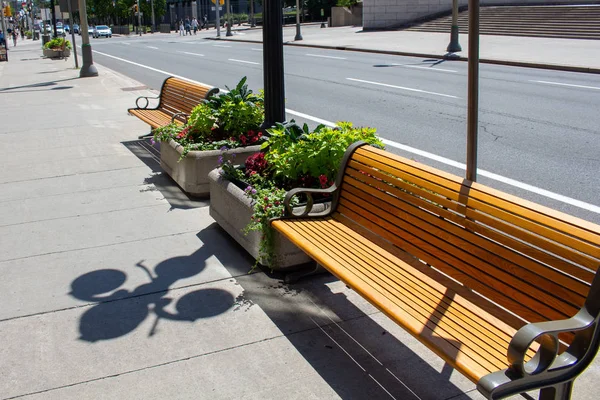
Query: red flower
323	181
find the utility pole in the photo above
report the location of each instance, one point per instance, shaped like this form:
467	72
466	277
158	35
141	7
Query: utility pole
273	63
72	33
218	17
53	10
139	17
153	24
252	23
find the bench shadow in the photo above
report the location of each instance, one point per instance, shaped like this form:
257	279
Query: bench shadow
159	180
357	356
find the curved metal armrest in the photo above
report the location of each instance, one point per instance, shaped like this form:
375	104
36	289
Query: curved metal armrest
147	98
178	115
289	212
546	333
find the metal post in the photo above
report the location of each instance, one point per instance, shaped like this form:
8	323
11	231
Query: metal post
473	90
218	17
454	46
139	12
228	18
72	33
88	68
298	33
273	63
252	22
153	23
53	10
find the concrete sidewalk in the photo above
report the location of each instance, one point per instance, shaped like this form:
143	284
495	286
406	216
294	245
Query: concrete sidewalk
563	54
116	285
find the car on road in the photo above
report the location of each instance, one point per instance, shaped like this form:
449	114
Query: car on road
60	29
102	30
75	28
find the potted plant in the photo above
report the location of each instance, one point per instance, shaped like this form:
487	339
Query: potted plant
57	47
227	125
243	200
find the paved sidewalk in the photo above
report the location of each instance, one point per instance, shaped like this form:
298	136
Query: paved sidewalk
565	54
115	285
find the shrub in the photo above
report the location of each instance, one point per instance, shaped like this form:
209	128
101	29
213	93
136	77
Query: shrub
57	43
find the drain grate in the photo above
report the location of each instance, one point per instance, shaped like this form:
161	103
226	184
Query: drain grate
133	89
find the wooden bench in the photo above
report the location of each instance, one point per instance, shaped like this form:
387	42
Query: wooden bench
176	100
484	279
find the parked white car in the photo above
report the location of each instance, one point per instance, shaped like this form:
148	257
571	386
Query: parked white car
102	30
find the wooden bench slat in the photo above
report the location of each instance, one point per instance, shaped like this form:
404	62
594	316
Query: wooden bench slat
443	346
501	256
457	237
476	210
547	225
423	298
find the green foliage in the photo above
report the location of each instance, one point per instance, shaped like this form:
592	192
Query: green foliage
203	118
346	3
293	151
57	44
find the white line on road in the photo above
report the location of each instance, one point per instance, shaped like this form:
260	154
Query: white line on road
403	88
127	43
242	61
491	175
317	55
220	45
152	47
428	68
191	54
567	84
257	49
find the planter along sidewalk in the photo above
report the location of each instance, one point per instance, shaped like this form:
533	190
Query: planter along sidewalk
191	173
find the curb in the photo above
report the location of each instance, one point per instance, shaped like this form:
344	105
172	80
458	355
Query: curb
523	64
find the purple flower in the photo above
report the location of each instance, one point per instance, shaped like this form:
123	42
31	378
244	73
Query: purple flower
253	191
152	142
220	160
224	148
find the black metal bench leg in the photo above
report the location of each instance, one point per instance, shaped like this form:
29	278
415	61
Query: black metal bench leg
558	392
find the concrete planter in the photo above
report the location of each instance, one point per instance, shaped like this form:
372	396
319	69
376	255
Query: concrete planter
232	209
49	53
191	173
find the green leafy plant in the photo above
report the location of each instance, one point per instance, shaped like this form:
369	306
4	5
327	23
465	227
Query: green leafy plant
347	3
57	43
231	119
292	156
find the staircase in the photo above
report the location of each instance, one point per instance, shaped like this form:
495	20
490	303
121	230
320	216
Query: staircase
570	22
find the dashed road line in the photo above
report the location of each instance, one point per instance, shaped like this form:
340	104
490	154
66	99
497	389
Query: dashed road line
403	88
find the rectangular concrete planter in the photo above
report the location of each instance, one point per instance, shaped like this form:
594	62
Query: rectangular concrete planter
49	53
191	173
232	209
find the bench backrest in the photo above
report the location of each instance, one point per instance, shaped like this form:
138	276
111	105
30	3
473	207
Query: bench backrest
523	261
180	96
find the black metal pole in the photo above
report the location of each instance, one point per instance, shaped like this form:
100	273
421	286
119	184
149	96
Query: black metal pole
473	90
53	10
273	63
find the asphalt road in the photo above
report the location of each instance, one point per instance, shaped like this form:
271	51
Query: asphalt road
538	128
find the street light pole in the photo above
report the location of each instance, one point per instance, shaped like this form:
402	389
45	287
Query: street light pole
88	68
218	17
153	23
252	24
454	46
228	18
298	33
273	63
139	11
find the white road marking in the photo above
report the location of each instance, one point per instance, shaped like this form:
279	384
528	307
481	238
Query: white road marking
447	161
335	58
428	68
220	45
152	47
403	88
567	84
192	54
257	49
242	61
127	43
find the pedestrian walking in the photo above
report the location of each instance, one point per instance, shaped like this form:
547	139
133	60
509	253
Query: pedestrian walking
2	40
195	25
205	21
188	26
181	28
14	36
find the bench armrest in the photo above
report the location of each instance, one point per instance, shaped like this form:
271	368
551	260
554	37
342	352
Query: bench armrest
147	98
180	114
548	367
289	212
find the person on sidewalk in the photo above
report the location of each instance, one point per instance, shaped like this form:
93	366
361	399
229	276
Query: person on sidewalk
188	27
205	22
195	25
14	34
2	40
181	28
